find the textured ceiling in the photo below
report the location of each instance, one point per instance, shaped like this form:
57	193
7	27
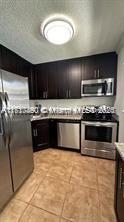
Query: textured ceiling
99	25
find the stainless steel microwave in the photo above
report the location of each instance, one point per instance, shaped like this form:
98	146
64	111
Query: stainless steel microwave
97	87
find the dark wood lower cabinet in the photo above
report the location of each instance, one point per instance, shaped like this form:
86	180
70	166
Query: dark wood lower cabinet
40	134
44	133
119	189
53	133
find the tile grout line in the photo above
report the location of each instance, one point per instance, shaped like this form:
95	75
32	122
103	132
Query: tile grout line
71	173
40	208
44	176
39	183
67	191
66	194
23	213
60	216
37	188
28	203
63	206
98	190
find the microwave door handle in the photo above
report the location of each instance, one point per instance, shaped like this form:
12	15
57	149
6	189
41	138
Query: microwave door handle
105	87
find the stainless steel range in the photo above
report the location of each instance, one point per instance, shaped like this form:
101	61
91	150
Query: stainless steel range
98	134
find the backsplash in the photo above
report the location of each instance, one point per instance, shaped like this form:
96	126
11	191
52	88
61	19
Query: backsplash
75	102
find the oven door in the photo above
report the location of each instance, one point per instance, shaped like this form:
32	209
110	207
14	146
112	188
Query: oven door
97	138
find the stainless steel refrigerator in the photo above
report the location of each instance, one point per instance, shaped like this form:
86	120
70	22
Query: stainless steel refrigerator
16	153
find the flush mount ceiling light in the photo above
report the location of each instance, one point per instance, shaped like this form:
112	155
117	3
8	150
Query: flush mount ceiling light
58	31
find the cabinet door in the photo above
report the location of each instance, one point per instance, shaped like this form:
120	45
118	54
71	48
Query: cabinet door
120	191
89	68
41	81
52	81
26	69
106	65
74	79
31	82
62	80
40	130
9	60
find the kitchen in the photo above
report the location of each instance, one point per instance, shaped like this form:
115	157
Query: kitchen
62	111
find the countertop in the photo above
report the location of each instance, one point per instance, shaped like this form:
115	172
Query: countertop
68	117
120	149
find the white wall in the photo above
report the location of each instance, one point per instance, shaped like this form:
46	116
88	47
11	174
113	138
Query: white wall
119	102
75	102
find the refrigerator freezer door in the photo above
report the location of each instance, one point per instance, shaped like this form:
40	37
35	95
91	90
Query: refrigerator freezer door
20	140
21	150
6	189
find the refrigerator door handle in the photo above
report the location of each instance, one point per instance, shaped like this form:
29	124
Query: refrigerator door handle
1	126
2	117
6	99
8	114
3	104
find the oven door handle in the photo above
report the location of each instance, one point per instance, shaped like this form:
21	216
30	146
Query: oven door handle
106	124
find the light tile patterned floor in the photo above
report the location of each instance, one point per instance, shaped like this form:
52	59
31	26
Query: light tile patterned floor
65	187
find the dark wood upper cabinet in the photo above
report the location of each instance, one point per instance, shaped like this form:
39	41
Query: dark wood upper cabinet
59	79
41	73
32	82
89	70
9	60
52	90
74	78
52	80
12	62
100	66
46	81
62	79
106	65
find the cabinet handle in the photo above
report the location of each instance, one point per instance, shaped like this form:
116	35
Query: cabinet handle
43	95
69	93
120	178
98	73
46	95
66	93
122	185
95	74
34	133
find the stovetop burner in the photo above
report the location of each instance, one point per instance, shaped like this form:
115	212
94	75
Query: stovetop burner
97	115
